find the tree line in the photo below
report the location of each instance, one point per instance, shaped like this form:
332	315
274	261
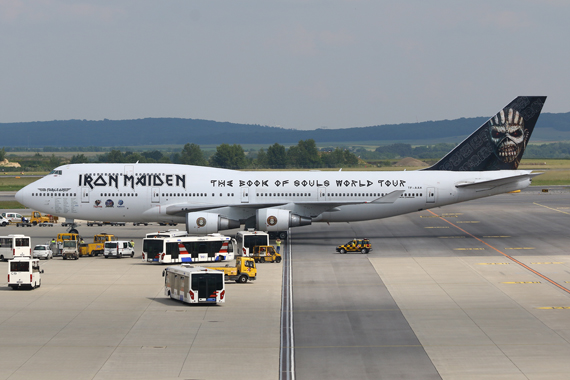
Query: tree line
304	155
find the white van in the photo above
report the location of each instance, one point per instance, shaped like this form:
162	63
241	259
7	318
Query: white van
12	216
118	249
24	272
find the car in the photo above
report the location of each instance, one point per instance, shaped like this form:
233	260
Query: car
42	251
355	245
12	216
3	221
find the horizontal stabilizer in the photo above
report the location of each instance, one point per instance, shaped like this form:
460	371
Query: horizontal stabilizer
485	184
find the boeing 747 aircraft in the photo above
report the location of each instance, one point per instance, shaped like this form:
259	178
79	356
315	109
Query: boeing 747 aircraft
212	199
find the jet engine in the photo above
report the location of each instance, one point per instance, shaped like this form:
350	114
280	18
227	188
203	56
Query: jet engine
208	223
273	219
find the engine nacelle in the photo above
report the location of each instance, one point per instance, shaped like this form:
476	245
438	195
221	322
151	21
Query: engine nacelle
274	219
208	223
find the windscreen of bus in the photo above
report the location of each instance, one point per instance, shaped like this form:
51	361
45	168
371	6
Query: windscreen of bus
22	242
19	266
253	240
208	281
153	247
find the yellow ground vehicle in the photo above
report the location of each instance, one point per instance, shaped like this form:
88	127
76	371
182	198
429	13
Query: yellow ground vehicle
265	253
56	245
243	271
355	245
38	218
97	247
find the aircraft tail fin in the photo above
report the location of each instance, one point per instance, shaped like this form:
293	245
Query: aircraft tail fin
499	143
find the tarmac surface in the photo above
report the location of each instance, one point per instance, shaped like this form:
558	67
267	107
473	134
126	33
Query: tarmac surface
478	290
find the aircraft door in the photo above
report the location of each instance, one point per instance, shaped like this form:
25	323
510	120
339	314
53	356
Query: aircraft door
245	195
84	195
155	195
322	194
129	170
430	195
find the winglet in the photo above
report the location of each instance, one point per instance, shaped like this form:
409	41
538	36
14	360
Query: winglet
499	143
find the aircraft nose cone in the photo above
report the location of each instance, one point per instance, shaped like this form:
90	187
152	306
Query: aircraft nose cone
20	196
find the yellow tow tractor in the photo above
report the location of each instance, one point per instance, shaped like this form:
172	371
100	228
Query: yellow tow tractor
38	219
265	253
243	271
97	247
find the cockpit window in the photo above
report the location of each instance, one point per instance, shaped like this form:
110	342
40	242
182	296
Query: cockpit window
55	172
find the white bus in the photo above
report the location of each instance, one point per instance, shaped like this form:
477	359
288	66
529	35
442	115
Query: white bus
188	249
164	234
192	284
15	246
246	240
24	272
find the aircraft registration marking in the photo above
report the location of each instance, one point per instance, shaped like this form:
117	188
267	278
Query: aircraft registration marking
521	282
468	249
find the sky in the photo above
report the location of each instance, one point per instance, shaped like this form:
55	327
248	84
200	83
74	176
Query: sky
301	64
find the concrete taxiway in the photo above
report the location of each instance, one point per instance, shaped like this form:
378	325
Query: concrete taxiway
471	291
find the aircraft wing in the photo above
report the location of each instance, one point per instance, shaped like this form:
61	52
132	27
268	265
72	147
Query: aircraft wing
486	184
309	208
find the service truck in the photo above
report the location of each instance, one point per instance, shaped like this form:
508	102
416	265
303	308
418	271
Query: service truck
56	245
70	250
97	247
244	270
38	219
265	253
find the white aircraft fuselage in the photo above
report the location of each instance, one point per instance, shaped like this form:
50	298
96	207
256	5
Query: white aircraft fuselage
158	192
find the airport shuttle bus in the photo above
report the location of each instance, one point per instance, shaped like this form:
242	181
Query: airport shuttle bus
188	249
24	272
246	240
15	246
192	284
166	234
